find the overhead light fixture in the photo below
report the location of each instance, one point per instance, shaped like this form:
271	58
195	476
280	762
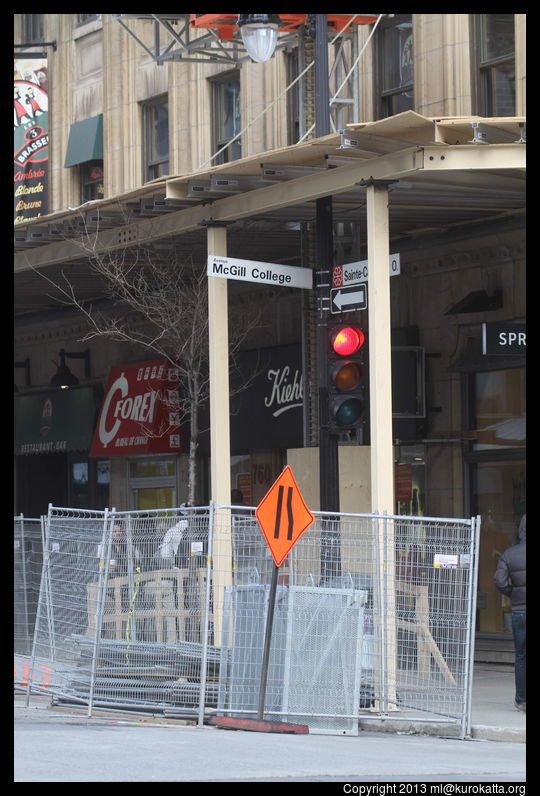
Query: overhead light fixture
259	34
64	378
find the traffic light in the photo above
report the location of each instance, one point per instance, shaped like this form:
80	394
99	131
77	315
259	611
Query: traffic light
347	372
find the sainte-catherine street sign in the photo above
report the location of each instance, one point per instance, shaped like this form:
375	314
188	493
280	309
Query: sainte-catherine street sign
348	291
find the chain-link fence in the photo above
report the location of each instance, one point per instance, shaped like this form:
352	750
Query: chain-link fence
166	610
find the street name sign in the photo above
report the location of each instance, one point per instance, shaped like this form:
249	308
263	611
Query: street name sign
283	516
355	273
254	271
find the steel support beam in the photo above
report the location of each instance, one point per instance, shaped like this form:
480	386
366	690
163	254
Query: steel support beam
407	162
380	402
220	448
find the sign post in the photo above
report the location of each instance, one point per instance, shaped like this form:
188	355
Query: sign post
283	517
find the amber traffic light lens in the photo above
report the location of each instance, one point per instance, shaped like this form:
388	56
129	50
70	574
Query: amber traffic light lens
348	376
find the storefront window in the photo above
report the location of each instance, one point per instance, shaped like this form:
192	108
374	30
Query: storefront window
410	480
89	483
241	480
499	488
498	481
153	498
152	483
500	409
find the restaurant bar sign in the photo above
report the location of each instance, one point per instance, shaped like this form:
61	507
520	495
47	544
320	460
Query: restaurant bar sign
30	138
504	339
56	421
140	411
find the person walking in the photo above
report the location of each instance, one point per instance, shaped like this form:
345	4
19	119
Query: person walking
510	579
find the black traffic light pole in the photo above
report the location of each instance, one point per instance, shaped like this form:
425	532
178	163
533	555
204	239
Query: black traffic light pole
328	447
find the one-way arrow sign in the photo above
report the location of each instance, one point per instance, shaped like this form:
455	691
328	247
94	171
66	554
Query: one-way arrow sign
345	299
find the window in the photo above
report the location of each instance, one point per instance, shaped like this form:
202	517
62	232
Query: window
32	28
92	181
395	66
88	482
227	118
495	468
496	64
499	410
294	122
84	18
156	138
152	483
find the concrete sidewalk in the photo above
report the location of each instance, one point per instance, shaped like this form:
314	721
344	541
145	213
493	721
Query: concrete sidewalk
494	716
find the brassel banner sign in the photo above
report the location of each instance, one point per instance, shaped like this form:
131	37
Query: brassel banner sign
254	271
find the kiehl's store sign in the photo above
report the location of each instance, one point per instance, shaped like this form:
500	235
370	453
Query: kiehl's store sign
140	411
504	339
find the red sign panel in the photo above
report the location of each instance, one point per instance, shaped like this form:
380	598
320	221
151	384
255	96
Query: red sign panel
403	481
140	412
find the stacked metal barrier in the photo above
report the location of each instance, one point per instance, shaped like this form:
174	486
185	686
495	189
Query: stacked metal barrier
165	610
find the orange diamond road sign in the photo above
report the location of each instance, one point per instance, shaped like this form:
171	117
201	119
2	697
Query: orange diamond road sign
283	516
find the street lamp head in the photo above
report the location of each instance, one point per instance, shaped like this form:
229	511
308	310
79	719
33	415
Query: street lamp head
259	34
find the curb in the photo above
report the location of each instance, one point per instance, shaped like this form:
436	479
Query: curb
484	732
479	732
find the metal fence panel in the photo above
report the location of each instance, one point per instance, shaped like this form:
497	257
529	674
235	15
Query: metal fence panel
430	605
323	658
72	560
245	612
166	610
27	566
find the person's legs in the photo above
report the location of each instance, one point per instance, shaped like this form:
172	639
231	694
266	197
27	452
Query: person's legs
519	625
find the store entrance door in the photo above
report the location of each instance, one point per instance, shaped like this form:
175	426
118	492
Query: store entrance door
499	495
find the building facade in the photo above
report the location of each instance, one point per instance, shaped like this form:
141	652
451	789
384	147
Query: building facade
117	112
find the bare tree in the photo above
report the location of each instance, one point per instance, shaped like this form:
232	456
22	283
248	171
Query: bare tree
159	302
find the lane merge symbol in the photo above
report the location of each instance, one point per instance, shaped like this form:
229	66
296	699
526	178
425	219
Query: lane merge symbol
289	512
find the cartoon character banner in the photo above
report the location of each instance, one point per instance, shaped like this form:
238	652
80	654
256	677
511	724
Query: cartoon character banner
31	138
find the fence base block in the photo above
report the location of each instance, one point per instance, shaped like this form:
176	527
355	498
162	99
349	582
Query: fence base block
254	725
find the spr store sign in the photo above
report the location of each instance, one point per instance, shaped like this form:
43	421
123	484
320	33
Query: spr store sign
140	411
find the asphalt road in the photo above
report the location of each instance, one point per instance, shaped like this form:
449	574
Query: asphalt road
51	746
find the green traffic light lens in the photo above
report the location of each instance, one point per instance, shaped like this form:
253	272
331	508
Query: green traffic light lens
349	412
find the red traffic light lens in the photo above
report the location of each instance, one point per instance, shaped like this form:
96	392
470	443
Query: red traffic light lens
347	340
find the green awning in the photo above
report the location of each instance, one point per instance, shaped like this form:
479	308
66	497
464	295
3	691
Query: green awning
85	141
57	421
